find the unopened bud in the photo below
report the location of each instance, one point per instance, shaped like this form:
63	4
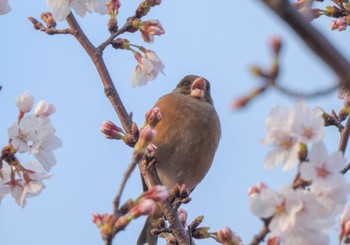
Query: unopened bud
121	43
111	131
201	233
276	45
146	137
274	240
182	214
112	25
142	9
25	102
197	221
48	19
156	193
228	237
113	8
153	117
44	109
143	207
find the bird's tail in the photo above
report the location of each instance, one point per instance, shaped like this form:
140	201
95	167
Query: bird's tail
146	237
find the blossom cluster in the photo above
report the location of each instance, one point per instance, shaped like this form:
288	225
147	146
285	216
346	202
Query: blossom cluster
61	8
35	135
300	215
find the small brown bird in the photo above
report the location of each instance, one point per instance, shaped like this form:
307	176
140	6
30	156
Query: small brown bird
187	138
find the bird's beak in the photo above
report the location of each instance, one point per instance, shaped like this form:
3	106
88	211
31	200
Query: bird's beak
198	87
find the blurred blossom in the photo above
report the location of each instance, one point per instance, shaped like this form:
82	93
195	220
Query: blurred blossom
25	102
156	193
323	169
61	8
4	7
227	237
344	221
143	207
287	128
340	24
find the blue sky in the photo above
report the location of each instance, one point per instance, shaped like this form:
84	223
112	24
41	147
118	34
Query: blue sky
218	41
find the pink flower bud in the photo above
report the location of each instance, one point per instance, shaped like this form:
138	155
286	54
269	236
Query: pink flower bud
182	214
273	240
227	237
44	109
143	207
276	44
24	102
153	117
257	188
111	131
333	25
146	137
113	8
156	193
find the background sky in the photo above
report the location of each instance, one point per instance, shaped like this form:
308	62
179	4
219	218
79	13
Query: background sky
216	40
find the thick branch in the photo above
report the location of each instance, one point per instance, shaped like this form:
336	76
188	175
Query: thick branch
109	88
313	39
344	136
149	171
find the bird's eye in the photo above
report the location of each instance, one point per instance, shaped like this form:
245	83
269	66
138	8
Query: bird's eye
187	84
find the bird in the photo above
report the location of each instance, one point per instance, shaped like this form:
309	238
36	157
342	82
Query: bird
186	139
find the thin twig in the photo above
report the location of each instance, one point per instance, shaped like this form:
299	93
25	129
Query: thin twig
305	95
127	174
261	235
345	169
114	35
51	31
313	39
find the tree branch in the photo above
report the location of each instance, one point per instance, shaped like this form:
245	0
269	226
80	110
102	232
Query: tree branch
313	39
96	57
344	136
127	174
50	31
148	170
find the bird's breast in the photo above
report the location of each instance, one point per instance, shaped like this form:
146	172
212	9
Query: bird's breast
187	138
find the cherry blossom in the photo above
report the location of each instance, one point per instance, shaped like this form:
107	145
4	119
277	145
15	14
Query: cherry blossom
147	69
287	128
23	183
323	169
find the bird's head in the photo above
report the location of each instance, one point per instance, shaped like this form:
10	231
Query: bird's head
195	86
